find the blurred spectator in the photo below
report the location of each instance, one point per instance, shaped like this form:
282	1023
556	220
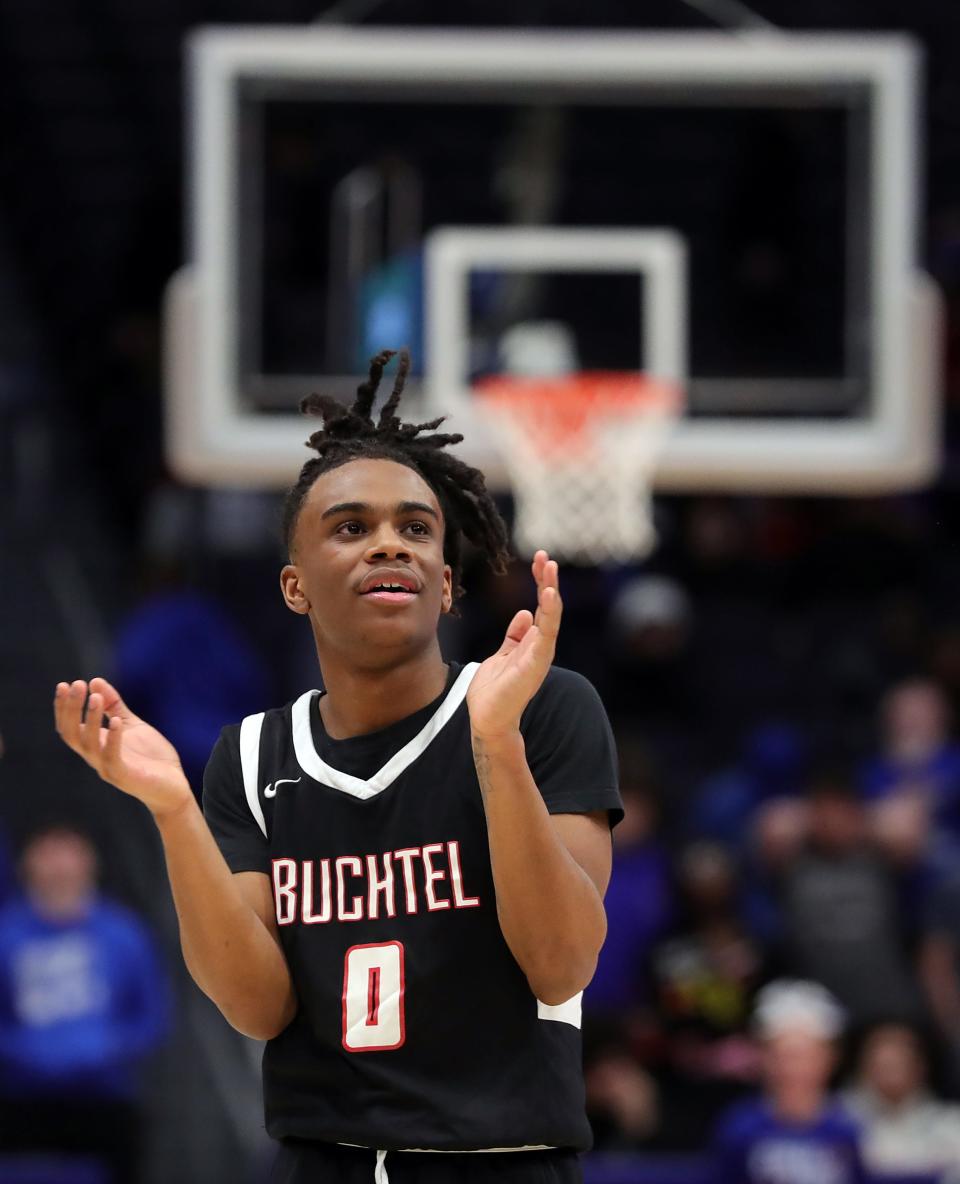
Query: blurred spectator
944	658
779	832
82	1000
771	768
776	837
705	974
648	634
905	1129
185	666
638	902
900	826
794	1133
649	679
919	764
940	969
719	549
622	1101
6	864
840	910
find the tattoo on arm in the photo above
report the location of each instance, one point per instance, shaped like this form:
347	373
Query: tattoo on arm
482	762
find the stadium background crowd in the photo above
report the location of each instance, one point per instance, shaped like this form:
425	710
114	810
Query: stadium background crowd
799	820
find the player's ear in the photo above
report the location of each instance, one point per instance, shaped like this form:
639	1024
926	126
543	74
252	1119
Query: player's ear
446	599
291	590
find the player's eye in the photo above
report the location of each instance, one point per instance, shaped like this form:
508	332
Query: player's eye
352	527
418	527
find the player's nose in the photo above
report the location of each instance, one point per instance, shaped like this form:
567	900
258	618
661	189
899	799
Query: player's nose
387	543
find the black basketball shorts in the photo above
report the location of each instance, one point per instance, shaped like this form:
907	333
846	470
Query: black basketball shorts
302	1162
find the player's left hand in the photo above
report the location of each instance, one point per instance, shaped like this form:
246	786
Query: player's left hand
508	679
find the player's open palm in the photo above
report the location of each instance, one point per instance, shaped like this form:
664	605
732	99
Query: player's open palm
128	752
508	679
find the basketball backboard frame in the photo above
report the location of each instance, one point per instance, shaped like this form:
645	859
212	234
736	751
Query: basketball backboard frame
216	438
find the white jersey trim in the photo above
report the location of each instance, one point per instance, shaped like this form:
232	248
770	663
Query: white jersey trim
310	761
250	730
450	1151
570	1012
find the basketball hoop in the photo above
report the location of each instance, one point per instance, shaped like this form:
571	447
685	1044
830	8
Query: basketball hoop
581	451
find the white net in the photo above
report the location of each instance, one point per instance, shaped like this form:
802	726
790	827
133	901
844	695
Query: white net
582	453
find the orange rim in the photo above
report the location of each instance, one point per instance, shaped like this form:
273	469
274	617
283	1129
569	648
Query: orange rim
562	409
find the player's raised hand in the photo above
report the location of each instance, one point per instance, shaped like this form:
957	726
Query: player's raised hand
128	752
508	679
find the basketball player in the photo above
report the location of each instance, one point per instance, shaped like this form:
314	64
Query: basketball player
399	879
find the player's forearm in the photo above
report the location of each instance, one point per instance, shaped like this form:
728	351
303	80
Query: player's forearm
229	952
550	912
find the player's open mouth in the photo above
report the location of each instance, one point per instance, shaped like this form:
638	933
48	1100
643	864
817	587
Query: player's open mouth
389	587
390	594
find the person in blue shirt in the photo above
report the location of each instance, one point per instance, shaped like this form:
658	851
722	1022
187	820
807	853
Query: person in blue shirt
918	763
639	905
794	1133
83	998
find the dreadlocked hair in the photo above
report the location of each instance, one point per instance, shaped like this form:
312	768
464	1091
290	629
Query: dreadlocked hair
351	434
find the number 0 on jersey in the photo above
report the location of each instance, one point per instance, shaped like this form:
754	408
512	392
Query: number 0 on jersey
373	1005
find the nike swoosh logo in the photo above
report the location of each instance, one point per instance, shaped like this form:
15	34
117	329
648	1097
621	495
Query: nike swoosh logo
271	790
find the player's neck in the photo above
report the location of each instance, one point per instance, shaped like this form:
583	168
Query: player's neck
361	701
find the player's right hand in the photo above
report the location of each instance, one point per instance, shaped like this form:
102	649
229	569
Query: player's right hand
128	753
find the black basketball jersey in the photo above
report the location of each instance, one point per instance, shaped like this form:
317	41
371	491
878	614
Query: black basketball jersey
416	1028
